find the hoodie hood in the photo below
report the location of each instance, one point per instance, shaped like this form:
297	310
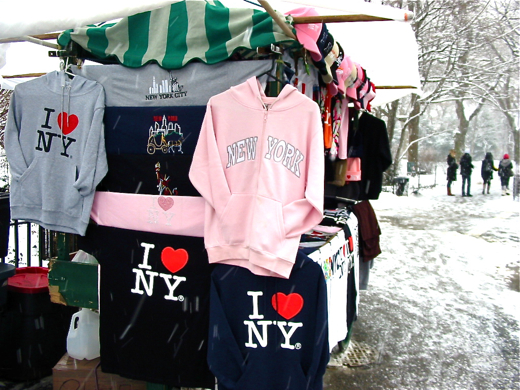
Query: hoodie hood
251	94
60	83
55	81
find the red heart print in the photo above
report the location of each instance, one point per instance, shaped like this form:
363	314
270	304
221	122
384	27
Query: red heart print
165	202
348	176
67	123
287	305
174	260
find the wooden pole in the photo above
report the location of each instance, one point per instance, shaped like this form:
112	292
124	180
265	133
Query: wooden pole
284	26
43	37
338	19
20	76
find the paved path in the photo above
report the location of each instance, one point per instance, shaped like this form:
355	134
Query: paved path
443	307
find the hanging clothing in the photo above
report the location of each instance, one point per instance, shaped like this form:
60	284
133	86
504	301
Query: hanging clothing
337	258
269	333
259	166
376	158
369	230
150	149
153	86
158	174
154	305
55	146
178	215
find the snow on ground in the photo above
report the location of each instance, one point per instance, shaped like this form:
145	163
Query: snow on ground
443	304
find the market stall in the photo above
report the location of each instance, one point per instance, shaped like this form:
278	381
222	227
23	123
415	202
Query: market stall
220	136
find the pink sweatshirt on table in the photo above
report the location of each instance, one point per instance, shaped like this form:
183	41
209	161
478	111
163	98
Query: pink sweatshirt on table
166	214
259	165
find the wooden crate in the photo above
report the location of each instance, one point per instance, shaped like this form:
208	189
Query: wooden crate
72	374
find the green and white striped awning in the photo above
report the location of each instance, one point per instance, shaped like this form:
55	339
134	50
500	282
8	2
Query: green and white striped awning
177	34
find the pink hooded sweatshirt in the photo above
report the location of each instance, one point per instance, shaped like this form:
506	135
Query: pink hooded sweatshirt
259	165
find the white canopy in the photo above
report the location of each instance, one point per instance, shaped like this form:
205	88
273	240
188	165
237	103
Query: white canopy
386	50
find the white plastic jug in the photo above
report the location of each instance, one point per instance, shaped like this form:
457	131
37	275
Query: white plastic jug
83	337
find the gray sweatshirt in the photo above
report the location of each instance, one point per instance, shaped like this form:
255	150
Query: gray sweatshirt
54	141
153	86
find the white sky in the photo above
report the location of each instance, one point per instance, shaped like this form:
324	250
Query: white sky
25	57
381	40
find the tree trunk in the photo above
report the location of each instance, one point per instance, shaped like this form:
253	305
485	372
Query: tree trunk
460	135
400	148
516	136
413	151
391	121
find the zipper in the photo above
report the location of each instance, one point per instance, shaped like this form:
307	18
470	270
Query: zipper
260	159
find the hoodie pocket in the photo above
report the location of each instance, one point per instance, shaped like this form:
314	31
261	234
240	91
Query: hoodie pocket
47	183
268	225
236	220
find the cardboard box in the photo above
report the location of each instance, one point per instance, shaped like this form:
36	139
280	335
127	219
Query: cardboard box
72	374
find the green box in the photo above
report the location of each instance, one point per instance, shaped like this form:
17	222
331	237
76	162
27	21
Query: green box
73	283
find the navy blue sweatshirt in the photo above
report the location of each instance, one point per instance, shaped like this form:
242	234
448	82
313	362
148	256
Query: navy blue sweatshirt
268	333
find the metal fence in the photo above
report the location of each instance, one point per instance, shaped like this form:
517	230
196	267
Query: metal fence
30	245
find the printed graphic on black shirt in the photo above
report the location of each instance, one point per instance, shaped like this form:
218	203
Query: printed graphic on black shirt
163	181
287	306
155	131
165	135
173	259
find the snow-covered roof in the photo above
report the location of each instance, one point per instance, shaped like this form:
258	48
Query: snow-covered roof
386	50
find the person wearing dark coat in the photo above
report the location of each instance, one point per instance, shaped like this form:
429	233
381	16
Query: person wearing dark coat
505	171
451	174
486	171
466	167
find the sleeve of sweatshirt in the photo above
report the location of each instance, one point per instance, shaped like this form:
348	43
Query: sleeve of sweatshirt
206	171
13	148
303	214
93	166
224	357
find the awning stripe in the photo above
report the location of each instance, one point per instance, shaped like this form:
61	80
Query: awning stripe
138	28
98	35
240	28
177	30
174	35
196	40
158	35
217	33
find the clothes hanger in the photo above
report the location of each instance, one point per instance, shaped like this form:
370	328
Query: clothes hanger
269	73
65	66
341	199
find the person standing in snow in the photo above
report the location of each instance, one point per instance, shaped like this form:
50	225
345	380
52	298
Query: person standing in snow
466	167
505	171
487	171
451	174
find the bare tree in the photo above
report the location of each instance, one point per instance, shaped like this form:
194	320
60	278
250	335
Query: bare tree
5	97
468	55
